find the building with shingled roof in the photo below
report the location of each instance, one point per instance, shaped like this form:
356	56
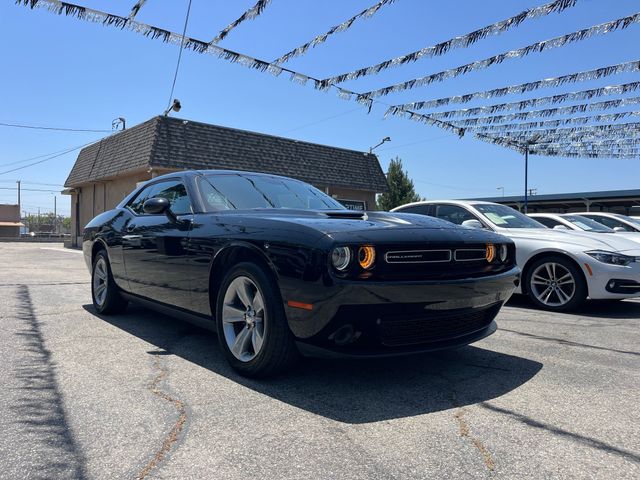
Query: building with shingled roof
106	171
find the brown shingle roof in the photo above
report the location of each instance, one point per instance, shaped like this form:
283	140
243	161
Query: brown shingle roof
169	142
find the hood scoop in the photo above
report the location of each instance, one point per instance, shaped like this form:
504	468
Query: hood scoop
346	214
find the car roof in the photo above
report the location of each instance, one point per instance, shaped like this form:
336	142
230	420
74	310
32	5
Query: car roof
451	202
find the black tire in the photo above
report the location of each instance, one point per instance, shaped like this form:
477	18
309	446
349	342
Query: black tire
566	296
277	351
109	300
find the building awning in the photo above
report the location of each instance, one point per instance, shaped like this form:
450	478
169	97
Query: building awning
11	224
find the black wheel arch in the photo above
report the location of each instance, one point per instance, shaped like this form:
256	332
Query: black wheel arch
230	255
549	253
98	245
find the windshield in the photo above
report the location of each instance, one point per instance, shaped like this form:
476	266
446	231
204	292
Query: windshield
237	191
506	217
632	220
586	224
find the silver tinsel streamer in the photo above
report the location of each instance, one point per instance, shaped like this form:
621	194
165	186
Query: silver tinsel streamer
462	41
301	50
601	29
612	117
532	102
548	112
136	8
250	14
621	143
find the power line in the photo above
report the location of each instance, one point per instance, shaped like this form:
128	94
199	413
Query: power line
28	189
36	157
59	129
175	75
49	158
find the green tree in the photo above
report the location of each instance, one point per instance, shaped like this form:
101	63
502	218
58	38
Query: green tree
401	189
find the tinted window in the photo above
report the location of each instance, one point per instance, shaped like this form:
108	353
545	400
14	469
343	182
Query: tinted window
547	222
223	192
420	209
172	190
454	214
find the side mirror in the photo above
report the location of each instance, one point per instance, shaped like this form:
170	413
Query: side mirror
560	227
618	229
156	206
473	224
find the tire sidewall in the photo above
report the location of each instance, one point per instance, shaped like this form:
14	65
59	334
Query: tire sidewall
581	290
112	302
275	325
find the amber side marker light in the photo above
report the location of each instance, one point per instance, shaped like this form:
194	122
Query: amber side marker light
491	252
366	256
303	306
589	269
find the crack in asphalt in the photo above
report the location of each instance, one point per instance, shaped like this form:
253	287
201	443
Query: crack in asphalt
169	442
569	342
463	427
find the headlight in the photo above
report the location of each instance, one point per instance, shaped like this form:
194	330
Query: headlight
611	258
490	253
503	253
366	256
341	258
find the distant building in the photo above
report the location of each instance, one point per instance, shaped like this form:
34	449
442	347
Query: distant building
107	171
10	220
626	202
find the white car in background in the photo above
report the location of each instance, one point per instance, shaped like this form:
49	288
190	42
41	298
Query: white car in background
620	223
573	221
560	268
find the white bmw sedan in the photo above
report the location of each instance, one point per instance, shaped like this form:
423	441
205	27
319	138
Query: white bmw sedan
560	269
572	221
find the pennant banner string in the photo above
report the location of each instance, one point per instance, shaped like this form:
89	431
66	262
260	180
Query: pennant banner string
302	49
547	112
623	142
462	41
612	117
136	8
535	102
601	29
569	130
531	86
250	14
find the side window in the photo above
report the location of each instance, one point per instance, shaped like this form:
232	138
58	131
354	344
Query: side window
172	190
612	223
419	209
454	214
135	205
547	222
176	193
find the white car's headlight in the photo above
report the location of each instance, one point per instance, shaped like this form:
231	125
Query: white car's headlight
611	258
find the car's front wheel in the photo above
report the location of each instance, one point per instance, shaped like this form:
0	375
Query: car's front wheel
555	283
104	291
252	327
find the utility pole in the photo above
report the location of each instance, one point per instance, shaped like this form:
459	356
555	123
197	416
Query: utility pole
55	214
18	182
526	178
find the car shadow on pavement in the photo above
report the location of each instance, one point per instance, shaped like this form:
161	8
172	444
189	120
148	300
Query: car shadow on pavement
349	391
611	309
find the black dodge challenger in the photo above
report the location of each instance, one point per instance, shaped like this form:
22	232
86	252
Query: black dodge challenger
279	268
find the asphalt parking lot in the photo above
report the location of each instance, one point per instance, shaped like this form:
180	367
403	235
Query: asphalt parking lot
141	395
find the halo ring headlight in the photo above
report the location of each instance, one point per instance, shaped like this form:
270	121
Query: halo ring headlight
503	253
341	258
366	256
490	254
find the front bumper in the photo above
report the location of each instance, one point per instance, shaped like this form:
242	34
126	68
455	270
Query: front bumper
599	282
362	318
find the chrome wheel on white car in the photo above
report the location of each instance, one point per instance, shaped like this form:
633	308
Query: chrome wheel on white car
555	283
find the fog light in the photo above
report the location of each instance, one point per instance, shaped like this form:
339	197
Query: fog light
612	284
366	256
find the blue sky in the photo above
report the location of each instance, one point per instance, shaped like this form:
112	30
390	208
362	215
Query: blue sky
59	71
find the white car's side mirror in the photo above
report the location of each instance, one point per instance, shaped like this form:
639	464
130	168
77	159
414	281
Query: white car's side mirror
618	229
560	227
472	224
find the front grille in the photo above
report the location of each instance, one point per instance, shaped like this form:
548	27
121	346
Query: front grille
409	329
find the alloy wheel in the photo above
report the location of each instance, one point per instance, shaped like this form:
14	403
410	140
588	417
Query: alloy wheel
243	318
100	281
553	284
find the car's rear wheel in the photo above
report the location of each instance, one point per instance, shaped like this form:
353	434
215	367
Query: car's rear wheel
251	322
104	292
555	283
